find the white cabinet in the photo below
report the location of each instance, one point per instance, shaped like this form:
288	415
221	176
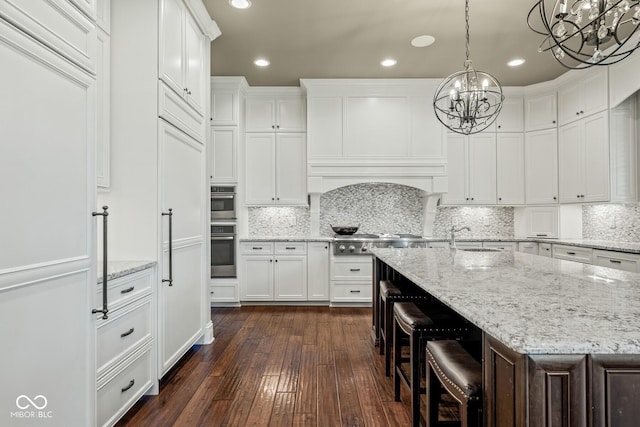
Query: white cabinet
122	339
541	167
511	117
275	113
103	107
181	59
471	169
572	253
617	260
624	79
544	249
583	160
47	260
540	111
504	246
510	168
273	271
223	155
528	247
623	152
351	277
318	271
582	93
227	294
559	221
224	106
275	169
542	221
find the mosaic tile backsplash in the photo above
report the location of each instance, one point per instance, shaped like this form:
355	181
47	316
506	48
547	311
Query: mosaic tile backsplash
484	222
279	221
611	222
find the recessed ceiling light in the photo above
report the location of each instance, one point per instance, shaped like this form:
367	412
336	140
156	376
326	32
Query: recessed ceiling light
389	62
422	41
240	4
261	62
516	62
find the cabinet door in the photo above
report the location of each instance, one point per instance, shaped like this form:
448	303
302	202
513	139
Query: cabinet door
325	127
259	169
290	278
570	102
194	64
570	163
181	306
482	168
511	117
542	221
456	170
256	282
103	122
290	115
595	93
291	169
510	168
318	271
260	114
622	143
540	111
47	258
223	151
541	167
224	107
171	58
596	157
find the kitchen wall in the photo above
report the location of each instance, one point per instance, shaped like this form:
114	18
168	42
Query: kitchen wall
485	222
611	222
279	221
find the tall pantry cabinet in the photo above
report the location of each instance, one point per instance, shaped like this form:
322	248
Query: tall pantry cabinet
47	233
159	105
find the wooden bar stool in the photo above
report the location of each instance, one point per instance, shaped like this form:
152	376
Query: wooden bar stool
451	367
410	321
390	294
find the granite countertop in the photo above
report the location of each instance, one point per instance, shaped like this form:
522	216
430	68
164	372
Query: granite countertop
532	304
117	269
287	239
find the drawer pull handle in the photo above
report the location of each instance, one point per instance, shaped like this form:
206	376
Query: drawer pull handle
126	291
615	261
257	248
541	234
126	334
355	292
355	269
570	253
131	383
290	247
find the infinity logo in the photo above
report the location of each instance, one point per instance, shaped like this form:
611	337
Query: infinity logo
29	402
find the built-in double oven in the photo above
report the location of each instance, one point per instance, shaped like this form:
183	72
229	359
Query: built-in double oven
223	232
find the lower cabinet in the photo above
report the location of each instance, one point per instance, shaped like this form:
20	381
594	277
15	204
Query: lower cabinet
544	249
223	293
617	260
351	277
528	247
126	347
573	253
318	271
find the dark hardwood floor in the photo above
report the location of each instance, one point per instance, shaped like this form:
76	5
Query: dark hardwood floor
278	366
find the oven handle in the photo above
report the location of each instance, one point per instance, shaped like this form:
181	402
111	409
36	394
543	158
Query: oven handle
216	196
223	238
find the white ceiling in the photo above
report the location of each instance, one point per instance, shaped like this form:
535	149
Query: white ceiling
349	38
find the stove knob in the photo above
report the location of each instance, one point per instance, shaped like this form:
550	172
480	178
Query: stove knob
352	248
341	248
364	249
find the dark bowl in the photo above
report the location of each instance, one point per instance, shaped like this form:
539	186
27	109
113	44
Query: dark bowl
345	230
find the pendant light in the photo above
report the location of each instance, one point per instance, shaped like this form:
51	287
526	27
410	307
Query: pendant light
468	101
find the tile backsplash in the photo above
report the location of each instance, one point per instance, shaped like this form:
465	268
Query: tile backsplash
611	222
279	221
484	221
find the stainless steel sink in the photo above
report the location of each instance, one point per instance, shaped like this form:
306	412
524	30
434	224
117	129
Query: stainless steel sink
480	249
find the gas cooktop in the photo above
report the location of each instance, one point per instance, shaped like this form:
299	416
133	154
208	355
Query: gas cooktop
359	244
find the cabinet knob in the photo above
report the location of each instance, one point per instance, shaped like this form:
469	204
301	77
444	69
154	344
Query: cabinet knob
577	113
278	198
472	198
554	122
555	198
499	126
581	112
272	198
273	126
500	198
277	126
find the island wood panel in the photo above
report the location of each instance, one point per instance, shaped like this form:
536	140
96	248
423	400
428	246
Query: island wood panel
615	390
558	391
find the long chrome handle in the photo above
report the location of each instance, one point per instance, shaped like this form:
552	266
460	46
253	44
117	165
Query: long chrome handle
105	307
223	197
224	238
170	215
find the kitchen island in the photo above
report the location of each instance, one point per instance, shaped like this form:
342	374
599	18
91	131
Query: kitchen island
561	340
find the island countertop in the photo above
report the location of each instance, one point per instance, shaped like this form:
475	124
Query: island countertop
532	304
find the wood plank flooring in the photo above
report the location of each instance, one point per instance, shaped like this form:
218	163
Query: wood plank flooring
278	366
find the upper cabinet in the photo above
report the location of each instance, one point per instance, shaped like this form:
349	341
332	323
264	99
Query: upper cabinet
510	168
283	112
511	117
181	53
623	146
541	167
582	93
624	79
540	109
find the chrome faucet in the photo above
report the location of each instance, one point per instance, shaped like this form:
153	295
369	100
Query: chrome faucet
452	238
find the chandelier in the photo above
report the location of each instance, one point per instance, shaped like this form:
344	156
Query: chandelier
584	33
468	101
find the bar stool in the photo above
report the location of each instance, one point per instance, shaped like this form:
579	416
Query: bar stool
411	321
390	294
451	367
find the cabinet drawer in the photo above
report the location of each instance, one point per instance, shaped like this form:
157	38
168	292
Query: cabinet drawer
352	270
572	253
224	293
125	289
528	247
441	245
544	249
290	248
505	246
119	393
57	24
122	331
256	248
175	110
351	292
617	260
